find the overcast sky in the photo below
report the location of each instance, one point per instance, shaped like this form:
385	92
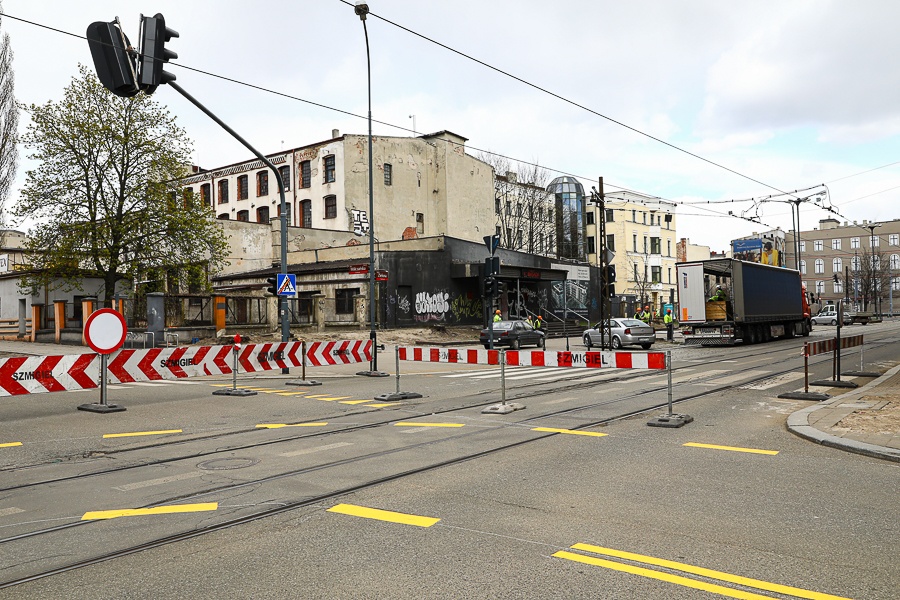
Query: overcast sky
790	94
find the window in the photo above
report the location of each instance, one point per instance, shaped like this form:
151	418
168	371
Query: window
330	207
420	223
644	217
590	245
655	245
285	173
343	300
803	267
204	194
875	241
223	217
497	231
242	185
656	274
894	239
802	246
634	216
818	246
188	197
854	263
645	244
838	287
306	213
895	283
589	218
388	173
305	174
611	242
243	215
668	247
837	265
329	169
836	244
634	240
820	265
894	263
262	214
262	183
497	205
635	278
670	274
820	287
610	215
223	191
854	243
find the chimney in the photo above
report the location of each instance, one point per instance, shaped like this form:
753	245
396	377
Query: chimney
335	133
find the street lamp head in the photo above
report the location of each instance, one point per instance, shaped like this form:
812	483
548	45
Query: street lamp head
361	9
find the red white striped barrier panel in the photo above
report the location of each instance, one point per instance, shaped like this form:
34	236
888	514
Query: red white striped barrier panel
595	360
39	374
321	354
814	348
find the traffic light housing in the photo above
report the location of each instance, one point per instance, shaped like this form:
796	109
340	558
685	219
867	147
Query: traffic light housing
113	58
154	35
610	273
273	285
490	286
835	277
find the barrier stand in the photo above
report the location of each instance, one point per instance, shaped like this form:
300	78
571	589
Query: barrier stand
504	407
104	406
398	395
105	332
234	391
805	394
670	420
303	380
861	373
839	345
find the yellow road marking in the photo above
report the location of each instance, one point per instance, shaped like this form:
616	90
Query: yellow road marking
650	573
411	424
10	444
347	401
330	398
732	448
280	425
158	510
383	515
384	404
720	575
573	432
318	396
139	433
291	393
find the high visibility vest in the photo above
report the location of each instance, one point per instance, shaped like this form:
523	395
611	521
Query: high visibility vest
668	318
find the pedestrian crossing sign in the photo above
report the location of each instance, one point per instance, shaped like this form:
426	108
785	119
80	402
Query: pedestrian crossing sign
287	284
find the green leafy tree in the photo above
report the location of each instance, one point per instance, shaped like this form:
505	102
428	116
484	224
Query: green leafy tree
105	199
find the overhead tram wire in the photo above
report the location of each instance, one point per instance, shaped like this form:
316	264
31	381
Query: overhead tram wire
406	129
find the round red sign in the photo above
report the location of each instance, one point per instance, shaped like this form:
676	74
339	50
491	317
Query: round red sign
105	330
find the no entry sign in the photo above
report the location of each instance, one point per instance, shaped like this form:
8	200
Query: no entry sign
105	331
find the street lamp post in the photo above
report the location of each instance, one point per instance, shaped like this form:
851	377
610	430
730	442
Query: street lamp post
872	227
362	9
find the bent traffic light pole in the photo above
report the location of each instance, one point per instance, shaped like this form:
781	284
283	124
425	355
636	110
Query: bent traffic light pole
282	301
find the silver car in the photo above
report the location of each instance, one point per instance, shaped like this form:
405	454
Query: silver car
625	332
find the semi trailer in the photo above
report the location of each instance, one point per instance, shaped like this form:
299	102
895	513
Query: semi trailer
757	302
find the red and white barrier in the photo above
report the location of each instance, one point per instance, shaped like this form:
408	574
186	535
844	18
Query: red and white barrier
39	374
536	358
813	348
321	354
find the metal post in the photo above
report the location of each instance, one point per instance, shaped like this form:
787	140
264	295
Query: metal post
837	349
234	353
397	357
565	312
503	377
669	371
303	360
806	367
103	363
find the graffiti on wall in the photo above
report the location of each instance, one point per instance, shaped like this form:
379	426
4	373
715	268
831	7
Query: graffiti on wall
432	307
463	308
360	222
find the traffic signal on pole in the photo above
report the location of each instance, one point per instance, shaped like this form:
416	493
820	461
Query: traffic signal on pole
835	278
273	285
154	35
490	286
113	58
610	273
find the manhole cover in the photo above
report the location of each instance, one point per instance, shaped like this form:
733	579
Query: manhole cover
225	464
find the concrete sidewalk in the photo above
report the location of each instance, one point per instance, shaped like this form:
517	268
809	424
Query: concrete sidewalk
821	423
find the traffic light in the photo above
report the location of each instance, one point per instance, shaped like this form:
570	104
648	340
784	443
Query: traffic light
610	273
273	285
113	58
154	35
835	277
490	286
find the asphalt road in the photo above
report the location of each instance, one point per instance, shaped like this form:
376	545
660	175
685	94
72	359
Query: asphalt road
744	499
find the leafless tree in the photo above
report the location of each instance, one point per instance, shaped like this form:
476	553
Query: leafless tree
9	123
640	277
523	208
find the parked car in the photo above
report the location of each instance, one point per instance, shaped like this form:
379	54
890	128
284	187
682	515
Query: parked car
513	334
625	332
829	316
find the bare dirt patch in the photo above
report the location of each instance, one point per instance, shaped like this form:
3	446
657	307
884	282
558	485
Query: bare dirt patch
885	419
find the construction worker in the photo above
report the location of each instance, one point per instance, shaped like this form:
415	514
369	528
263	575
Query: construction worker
718	295
539	324
670	325
644	315
497	317
530	321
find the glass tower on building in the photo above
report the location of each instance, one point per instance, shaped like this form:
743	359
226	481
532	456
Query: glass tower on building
568	196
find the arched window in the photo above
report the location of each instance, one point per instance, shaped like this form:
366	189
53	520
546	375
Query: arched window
820	265
803	267
837	265
895	261
820	287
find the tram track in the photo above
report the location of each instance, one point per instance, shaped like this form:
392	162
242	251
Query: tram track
522	391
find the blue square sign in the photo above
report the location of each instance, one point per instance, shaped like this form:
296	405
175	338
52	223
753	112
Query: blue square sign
287	284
